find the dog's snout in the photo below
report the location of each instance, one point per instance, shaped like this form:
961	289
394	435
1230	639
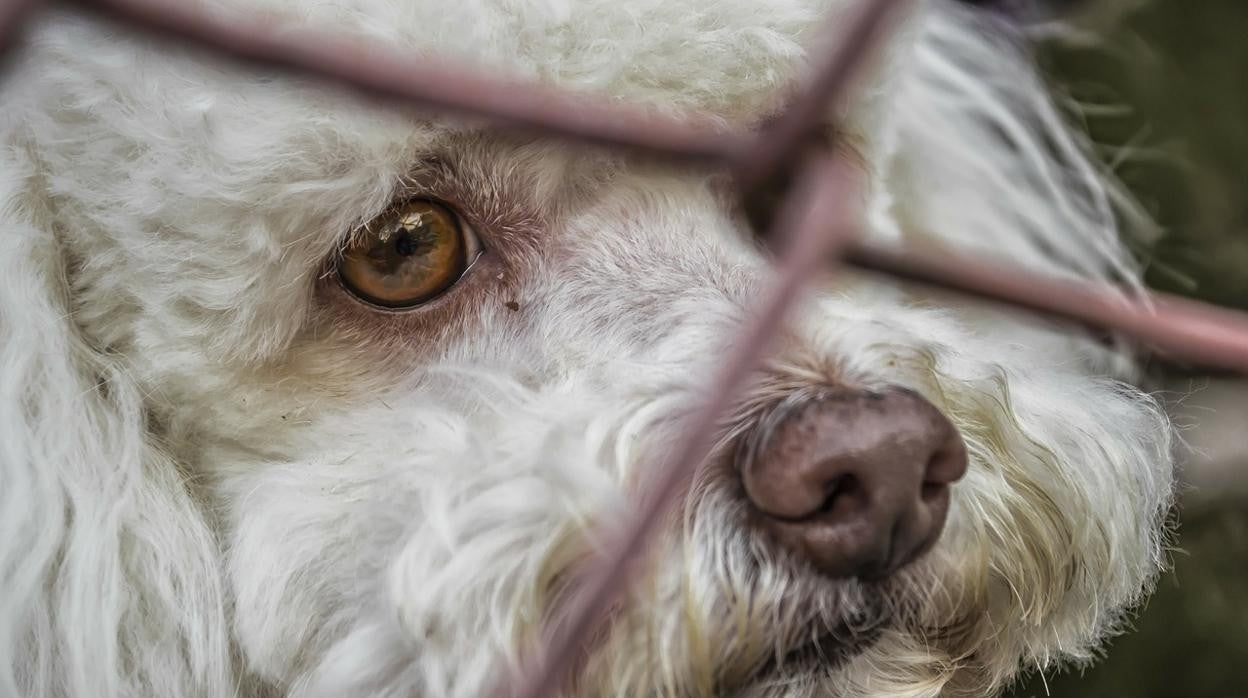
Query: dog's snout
856	482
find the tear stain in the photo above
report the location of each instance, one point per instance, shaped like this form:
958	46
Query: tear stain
512	306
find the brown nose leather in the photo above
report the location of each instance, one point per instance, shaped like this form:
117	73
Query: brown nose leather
855	482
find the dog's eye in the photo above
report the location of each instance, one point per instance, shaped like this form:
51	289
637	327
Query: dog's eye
408	255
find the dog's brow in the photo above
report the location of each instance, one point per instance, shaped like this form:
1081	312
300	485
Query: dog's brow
812	225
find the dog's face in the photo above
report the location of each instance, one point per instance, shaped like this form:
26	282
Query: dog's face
407	366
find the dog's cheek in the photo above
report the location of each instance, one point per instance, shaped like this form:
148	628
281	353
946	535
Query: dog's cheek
1056	529
295	581
308	532
445	529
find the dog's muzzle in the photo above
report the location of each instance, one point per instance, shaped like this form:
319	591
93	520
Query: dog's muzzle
854	482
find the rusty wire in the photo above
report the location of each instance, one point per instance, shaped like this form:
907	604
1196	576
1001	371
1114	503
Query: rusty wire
815	226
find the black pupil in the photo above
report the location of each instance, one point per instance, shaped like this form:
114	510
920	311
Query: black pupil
405	245
410	242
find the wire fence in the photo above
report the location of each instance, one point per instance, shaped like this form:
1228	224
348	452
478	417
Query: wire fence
790	161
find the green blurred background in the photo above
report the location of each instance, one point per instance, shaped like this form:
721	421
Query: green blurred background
1163	88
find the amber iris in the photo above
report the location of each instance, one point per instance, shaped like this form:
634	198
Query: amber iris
406	256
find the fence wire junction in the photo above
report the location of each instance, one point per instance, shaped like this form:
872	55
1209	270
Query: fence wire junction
811	226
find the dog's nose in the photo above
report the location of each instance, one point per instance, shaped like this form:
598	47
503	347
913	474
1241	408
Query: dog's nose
854	481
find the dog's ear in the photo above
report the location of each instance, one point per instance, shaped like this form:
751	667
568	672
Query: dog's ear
108	580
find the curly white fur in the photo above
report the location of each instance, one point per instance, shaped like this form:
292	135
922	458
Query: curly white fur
220	476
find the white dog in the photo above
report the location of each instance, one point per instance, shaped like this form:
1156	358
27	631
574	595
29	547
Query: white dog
300	396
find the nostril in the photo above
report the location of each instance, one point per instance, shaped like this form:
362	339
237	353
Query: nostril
844	496
835	487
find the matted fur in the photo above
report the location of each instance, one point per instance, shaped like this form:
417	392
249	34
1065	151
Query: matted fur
219	475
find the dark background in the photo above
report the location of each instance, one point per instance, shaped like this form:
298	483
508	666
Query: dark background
1164	91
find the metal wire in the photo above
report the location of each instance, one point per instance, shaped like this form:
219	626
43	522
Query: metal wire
1182	333
815	225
